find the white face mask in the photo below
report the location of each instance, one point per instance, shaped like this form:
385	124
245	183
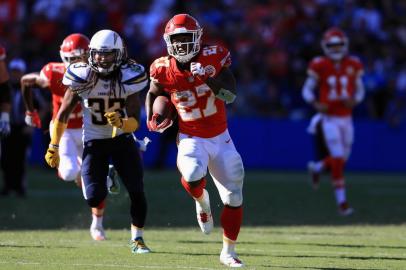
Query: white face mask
184	50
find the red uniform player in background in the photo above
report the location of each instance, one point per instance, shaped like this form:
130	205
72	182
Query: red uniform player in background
199	82
336	77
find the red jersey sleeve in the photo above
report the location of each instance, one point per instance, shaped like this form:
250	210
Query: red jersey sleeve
157	70
225	56
46	72
315	67
359	67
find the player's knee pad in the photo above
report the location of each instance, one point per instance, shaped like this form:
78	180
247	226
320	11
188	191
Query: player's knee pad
192	172
233	198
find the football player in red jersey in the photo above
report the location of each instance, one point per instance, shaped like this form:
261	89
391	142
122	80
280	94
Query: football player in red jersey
5	95
337	79
74	48
198	79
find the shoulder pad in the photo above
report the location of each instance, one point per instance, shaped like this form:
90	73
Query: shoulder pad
133	73
158	68
77	74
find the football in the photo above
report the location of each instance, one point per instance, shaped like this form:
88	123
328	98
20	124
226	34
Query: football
164	108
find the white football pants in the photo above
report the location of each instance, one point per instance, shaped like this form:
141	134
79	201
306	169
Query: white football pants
219	155
339	135
70	154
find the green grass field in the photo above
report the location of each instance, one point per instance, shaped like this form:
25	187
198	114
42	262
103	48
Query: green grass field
286	226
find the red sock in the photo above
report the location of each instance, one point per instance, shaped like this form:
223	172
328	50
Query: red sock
231	219
337	168
194	191
327	162
337	172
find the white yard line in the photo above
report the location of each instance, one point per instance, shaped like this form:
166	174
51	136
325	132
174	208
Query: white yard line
109	265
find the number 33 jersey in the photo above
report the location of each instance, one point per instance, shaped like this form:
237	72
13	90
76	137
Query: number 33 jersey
103	95
337	82
200	113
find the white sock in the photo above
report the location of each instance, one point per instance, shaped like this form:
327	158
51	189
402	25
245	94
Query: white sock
204	201
97	221
228	246
136	232
340	195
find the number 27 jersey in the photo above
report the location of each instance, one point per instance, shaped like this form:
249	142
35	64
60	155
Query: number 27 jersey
200	113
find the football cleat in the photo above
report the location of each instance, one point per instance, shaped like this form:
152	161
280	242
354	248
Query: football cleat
314	175
138	246
231	260
203	212
113	184
345	210
97	233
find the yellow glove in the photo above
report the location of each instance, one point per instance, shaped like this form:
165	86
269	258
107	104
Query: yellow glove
114	119
127	125
52	155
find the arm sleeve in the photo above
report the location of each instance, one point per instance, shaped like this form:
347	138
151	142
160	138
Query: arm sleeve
359	84
308	89
359	90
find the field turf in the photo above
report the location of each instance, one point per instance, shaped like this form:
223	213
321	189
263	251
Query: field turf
287	225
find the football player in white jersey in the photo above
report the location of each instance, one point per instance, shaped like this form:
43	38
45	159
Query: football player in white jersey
74	48
108	88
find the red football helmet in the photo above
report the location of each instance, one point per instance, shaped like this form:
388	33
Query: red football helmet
183	24
73	47
335	43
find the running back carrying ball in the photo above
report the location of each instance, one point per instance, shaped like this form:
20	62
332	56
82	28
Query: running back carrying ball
164	112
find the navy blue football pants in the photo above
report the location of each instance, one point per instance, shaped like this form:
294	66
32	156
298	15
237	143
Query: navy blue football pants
125	156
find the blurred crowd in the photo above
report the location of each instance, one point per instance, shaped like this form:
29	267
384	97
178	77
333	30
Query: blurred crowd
271	42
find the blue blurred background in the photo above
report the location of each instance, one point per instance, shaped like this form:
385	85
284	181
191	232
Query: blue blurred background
271	43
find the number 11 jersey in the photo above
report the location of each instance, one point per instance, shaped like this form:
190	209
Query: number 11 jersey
337	82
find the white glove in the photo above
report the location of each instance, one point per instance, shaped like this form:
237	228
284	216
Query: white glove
4	124
142	143
32	119
198	71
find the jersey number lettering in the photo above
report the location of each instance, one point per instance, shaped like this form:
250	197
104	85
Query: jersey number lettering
100	106
333	93
187	100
